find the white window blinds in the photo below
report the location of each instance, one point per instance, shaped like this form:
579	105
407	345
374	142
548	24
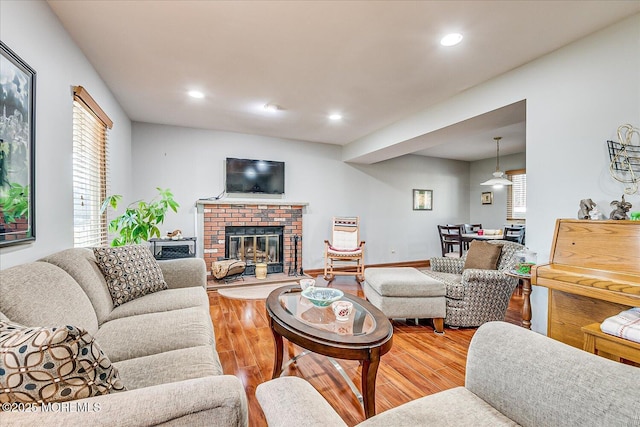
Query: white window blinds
90	170
517	195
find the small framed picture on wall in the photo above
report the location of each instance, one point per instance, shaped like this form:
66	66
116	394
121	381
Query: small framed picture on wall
422	200
487	198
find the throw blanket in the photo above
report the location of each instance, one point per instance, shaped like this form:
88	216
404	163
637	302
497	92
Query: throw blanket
624	325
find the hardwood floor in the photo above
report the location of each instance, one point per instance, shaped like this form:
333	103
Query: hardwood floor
420	362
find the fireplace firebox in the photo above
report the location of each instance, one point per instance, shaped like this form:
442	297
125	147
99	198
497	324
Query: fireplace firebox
256	245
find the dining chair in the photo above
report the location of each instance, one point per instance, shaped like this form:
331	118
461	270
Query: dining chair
514	233
470	229
450	237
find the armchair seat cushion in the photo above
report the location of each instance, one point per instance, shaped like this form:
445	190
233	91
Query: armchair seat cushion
452	282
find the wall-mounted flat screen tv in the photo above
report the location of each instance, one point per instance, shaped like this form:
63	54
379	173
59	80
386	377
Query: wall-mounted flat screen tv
254	176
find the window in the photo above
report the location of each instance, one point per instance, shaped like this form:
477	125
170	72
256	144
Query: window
90	165
517	194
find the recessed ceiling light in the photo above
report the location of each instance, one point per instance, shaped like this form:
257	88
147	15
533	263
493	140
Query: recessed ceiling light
335	117
451	39
196	94
272	108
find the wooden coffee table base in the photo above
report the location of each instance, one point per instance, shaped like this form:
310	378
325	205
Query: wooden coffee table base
336	365
365	340
370	361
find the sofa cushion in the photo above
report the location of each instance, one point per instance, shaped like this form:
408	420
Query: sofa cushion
403	282
81	264
170	366
152	333
184	272
482	255
41	294
131	272
167	300
52	364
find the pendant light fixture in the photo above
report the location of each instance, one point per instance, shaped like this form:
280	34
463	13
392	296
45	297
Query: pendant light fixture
498	180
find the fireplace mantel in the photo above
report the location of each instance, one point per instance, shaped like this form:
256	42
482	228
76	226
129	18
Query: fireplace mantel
251	202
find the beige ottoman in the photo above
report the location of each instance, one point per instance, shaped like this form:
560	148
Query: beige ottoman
405	292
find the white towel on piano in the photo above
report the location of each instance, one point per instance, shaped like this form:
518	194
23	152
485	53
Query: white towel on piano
624	325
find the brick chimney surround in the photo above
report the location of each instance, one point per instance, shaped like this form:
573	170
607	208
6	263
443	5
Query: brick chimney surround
215	215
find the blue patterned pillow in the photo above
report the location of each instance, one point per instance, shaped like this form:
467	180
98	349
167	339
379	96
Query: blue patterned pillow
130	271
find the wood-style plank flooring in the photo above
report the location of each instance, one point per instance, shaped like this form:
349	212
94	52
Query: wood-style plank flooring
420	362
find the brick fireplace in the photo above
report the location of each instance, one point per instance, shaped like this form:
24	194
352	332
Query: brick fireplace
216	216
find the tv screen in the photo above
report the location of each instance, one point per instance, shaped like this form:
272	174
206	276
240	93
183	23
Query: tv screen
254	176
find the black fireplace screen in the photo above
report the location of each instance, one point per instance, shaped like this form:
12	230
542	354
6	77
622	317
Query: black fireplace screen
256	245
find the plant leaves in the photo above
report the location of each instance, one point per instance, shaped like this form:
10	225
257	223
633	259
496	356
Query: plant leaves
141	219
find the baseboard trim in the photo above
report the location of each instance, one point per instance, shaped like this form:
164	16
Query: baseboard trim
415	264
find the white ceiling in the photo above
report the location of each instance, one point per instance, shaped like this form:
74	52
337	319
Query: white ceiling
376	62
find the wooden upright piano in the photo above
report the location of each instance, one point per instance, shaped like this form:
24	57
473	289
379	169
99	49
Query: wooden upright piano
594	273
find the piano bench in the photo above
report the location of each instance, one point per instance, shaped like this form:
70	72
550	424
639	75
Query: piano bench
614	348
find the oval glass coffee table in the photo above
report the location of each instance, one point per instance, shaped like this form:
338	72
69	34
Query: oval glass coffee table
365	336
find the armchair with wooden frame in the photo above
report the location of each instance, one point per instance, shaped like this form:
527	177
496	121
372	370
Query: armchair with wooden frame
344	249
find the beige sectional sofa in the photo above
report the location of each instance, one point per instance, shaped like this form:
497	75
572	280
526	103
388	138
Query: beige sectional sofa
162	344
513	377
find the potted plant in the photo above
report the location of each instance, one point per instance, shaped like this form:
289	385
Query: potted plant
15	203
140	220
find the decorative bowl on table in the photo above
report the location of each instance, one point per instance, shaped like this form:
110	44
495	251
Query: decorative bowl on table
322	297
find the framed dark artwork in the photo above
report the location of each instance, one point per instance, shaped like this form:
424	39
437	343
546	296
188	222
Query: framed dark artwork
487	198
17	149
422	200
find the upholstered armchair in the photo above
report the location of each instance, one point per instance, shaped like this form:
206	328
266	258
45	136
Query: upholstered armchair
475	296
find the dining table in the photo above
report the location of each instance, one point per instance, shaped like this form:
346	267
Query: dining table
475	236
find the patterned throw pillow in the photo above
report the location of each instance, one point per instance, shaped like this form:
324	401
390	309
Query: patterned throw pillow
131	272
46	365
483	255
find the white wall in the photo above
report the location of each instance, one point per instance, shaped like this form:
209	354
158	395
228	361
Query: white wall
492	216
31	30
575	102
576	98
191	163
